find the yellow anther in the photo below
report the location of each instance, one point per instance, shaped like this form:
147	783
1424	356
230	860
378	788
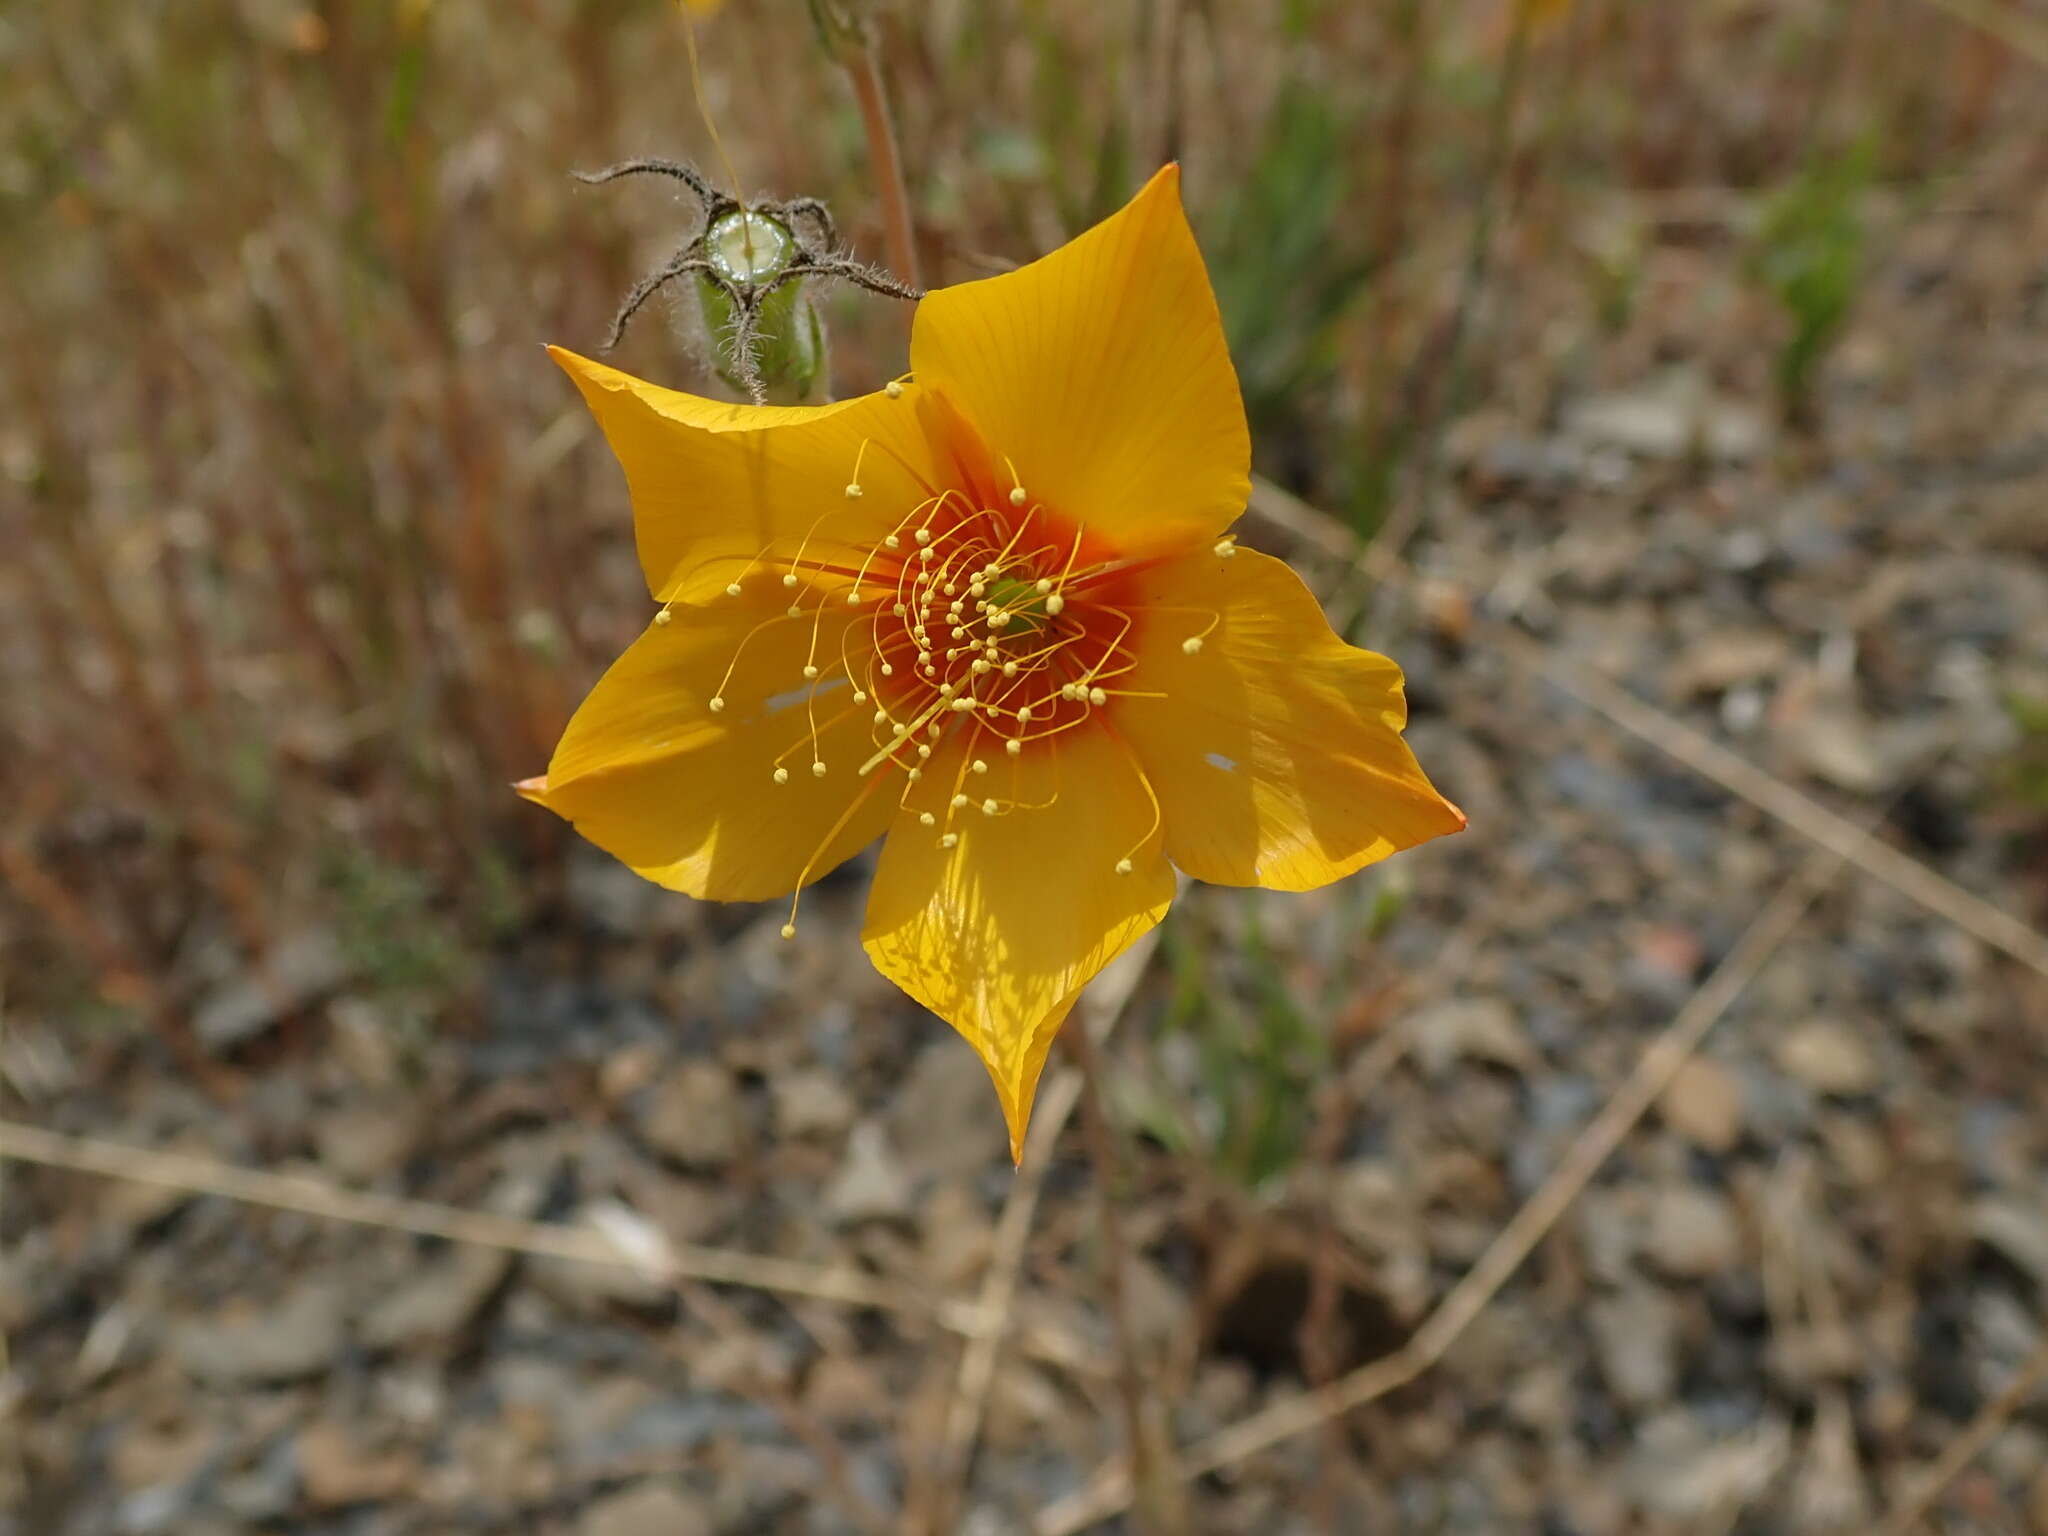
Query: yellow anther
979	766
923	750
732	589
662	616
810	674
926	553
795	611
817	770
988	807
789	930
1014	747
859	697
1192	646
934	729
999	620
961	706
950	840
1017	496
926	818
913	774
1009	669
888	670
1097	696
782	775
1044	585
1024	714
789	580
893	390
881	717
854	599
947	690
958	801
853	493
892	542
1123	866
900	610
922	535
1226	549
980	666
1055	604
717	706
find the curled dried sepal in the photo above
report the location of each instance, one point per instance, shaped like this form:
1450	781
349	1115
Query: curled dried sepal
749	264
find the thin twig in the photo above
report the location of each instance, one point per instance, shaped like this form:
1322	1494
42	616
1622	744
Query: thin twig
1109	1491
1969	1444
314	1197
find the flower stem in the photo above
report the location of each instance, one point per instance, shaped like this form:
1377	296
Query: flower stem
864	72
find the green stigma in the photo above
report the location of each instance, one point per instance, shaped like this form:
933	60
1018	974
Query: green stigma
1022	601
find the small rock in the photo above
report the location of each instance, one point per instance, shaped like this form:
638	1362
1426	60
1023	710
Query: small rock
1668	416
1478	1029
289	1340
1828	1058
334	1469
1725	658
1635	1338
647	1509
1678	1469
597	1288
811	1103
696	1116
362	1145
167	1457
2017	1231
872	1183
439	1302
1839	746
297	972
1693	1233
1541	1400
942	1119
1704	1105
843	1391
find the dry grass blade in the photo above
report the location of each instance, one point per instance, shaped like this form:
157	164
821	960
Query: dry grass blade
1706	757
1969	1443
313	1197
1109	1491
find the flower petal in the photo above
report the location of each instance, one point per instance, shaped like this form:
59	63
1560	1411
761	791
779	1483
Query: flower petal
1102	373
999	934
686	796
715	484
1276	751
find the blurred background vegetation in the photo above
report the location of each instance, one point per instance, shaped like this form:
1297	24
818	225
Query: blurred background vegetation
312	553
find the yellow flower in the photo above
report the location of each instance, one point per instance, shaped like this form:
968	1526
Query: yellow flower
994	614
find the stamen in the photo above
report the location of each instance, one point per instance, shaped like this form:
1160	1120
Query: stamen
662	615
782	775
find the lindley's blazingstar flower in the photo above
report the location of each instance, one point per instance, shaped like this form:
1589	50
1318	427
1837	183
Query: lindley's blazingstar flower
995	614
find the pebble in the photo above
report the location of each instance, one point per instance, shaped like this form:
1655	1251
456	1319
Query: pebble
1829	1058
439	1302
646	1509
811	1102
1693	1233
1704	1105
872	1183
1635	1338
287	1340
697	1117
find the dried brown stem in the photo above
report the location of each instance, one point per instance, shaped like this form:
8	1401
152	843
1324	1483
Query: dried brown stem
864	73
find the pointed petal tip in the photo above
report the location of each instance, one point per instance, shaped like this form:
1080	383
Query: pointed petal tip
534	789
